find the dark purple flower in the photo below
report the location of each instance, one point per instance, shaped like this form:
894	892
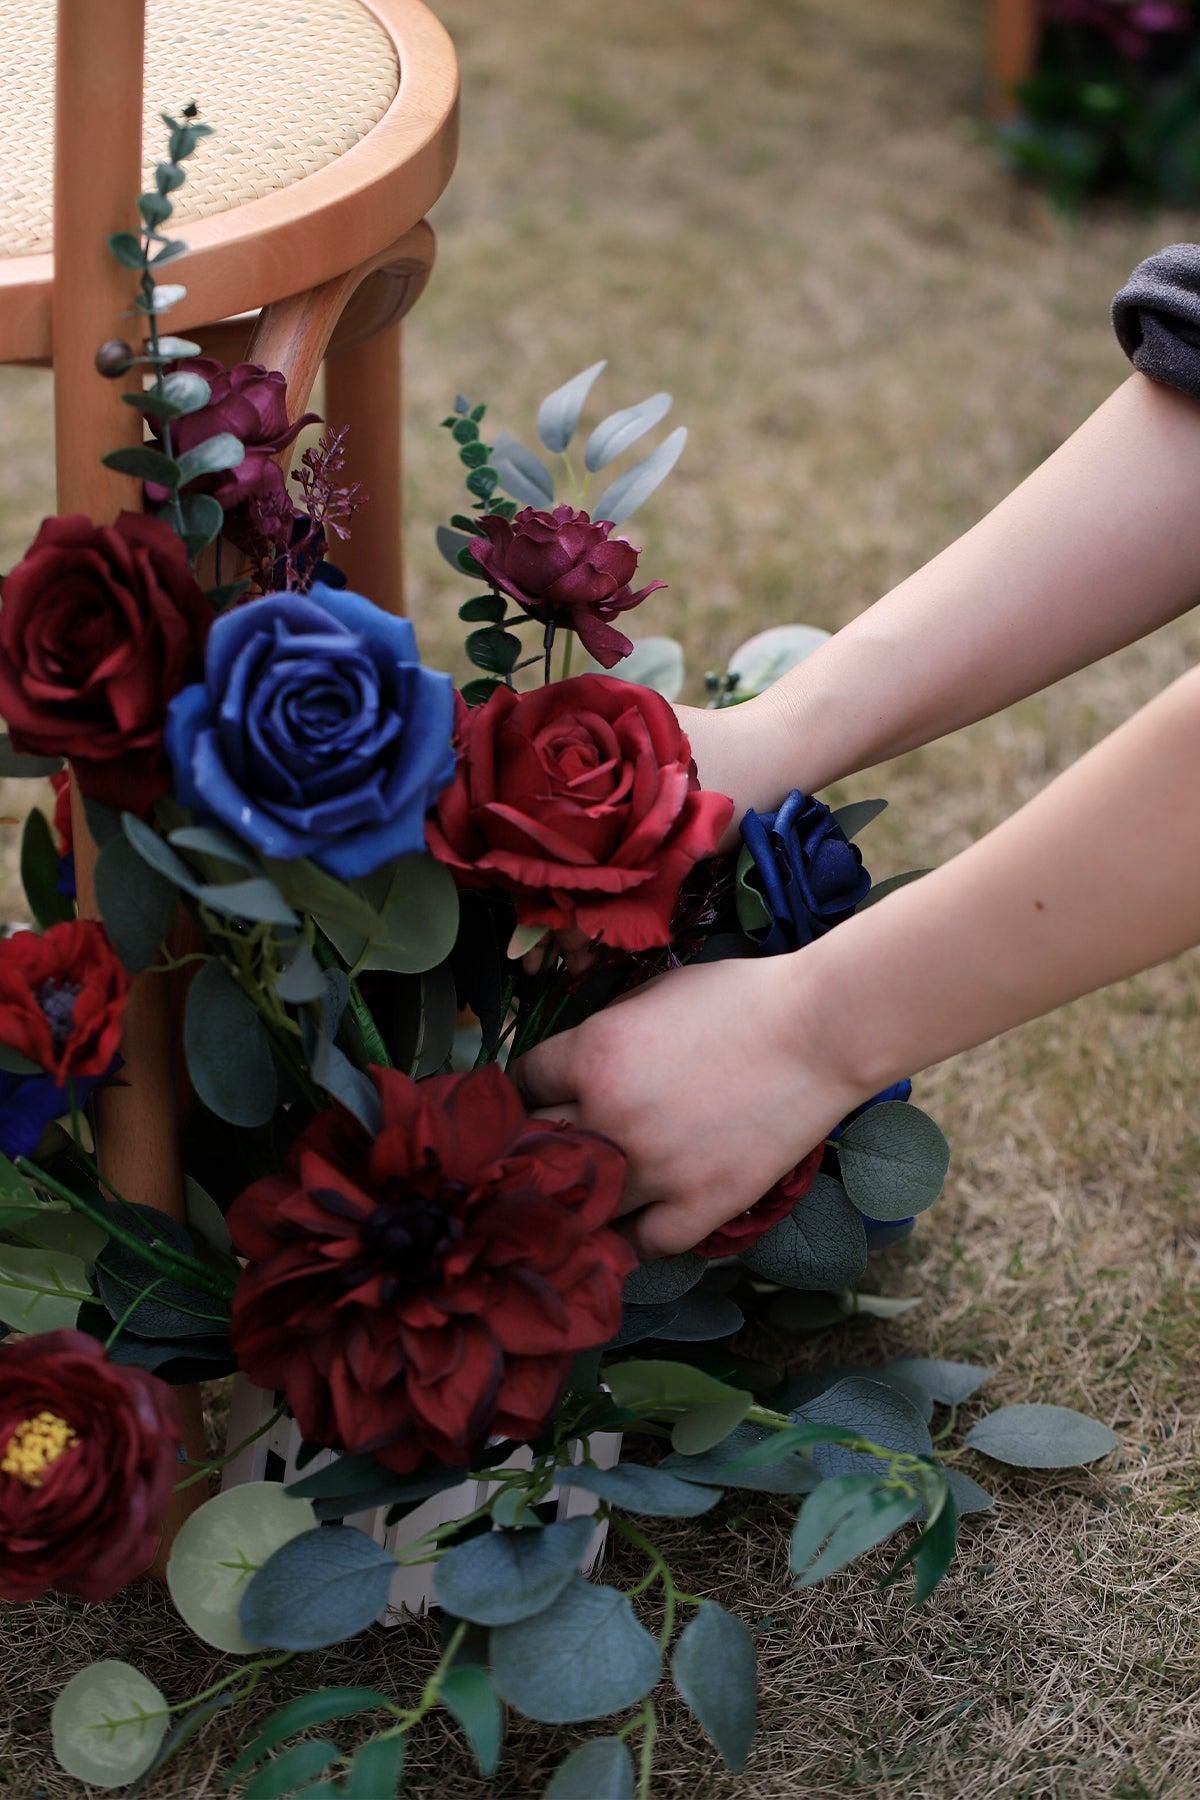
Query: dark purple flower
563	568
250	402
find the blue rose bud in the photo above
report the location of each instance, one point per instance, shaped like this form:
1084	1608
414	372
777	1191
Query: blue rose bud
315	732
811	875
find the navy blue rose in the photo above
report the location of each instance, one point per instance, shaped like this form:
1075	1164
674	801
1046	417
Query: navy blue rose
811	875
315	732
28	1103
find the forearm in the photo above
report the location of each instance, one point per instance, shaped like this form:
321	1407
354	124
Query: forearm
1095	879
1098	547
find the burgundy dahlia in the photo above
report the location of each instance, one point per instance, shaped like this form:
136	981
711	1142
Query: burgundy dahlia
89	1454
251	403
563	568
62	998
415	1294
739	1233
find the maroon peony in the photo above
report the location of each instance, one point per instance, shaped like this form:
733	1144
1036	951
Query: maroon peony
250	402
62	998
101	626
738	1234
416	1294
563	568
89	1455
581	800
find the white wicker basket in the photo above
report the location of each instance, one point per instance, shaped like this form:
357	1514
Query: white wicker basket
272	1457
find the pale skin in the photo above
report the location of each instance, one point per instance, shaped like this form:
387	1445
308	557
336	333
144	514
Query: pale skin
716	1080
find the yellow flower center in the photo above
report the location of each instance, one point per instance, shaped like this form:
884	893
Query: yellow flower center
34	1445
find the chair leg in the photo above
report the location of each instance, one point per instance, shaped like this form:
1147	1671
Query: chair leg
362	393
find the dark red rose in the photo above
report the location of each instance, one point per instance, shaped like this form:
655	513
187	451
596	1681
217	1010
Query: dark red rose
62	998
101	626
89	1454
416	1294
581	800
563	568
738	1234
250	402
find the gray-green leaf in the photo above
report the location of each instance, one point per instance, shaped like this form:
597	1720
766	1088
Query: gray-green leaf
1032	1436
601	1770
559	412
500	1577
586	1656
615	434
632	489
893	1160
713	1669
821	1244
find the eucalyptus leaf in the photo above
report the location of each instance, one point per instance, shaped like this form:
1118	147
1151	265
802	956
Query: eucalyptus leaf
655	662
654	1493
763	658
882	889
950	1383
317	1589
893	1160
212	841
1032	1436
41	1289
858	815
302	1714
615	434
559	412
874	1411
632	489
220	1546
144	464
502	1576
846	1516
522	473
293	1770
229	1056
467	1693
211	457
792	1472
663	1279
88	1741
821	1244
699	1318
258	900
600	1770
714	1671
969	1497
377	1770
584	1657
39	873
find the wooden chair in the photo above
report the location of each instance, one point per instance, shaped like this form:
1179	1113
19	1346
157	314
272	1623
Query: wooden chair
1014	31
335	132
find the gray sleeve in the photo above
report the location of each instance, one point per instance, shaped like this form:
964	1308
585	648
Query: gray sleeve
1156	317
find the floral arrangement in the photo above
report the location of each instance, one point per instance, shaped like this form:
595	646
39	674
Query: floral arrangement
358	882
1112	104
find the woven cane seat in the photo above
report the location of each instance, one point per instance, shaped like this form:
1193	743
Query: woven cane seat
289	86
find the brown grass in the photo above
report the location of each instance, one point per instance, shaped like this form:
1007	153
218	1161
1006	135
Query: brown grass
778	212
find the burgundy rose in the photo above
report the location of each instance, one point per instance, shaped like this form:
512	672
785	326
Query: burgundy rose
581	800
250	402
89	1454
562	567
416	1294
739	1233
62	998
101	625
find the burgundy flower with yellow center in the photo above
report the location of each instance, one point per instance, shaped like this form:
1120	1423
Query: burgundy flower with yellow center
739	1233
89	1454
417	1293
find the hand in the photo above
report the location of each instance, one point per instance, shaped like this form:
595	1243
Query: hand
708	1080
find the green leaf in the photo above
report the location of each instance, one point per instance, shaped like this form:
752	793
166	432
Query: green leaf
855	817
229	1056
126	247
843	1519
949	1383
205	1219
182	1731
465	431
203	520
639	1323
108	1723
821	1244
614	435
164	297
1032	1436
302	979
500	1576
754	915
931	1552
522	473
16	767
476	692
39	873
212	841
335	906
68	1231
880	1413
284	1774
217	453
652	1387
663	1279
41	1290
655	662
969	1497
601	1770
763	658
482	481
18	1198
725	1465
882	889
155	209
468	1695
700	1318
145	464
713	1669
177	348
174	1309
376	1770
586	1656
558	414
257	899
473	456
494	650
16	1064
632	489
450	543
484	606
419	909
648	1492
220	1546
893	1160
317	1589
708	1425
156	854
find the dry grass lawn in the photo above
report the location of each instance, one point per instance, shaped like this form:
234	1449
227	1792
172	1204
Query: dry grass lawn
781	212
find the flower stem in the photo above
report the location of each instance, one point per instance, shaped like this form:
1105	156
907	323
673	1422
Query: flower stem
568	648
219	1462
125	1317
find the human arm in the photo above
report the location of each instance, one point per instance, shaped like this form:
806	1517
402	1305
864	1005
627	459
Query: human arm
716	1080
1100	545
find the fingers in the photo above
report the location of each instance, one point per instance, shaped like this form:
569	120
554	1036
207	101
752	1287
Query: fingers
661	1229
565	1113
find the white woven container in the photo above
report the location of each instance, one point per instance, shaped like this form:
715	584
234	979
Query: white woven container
272	1457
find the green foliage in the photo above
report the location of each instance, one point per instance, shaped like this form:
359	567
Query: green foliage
633	488
175	1308
41	1289
872	1410
931	1552
654	662
494	650
17	767
763	658
662	1279
654	1493
857	815
39	873
559	412
377	1770
296	1767
821	1244
107	1724
220	1546
700	1318
468	1695
754	915
713	1669
843	1519
615	434
893	1160
584	1657
1041	1437
788	1471
600	1770
19	1200
228	1053
317	1589
882	889
949	1383
501	1577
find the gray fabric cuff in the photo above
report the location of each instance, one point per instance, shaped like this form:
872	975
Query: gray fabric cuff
1156	317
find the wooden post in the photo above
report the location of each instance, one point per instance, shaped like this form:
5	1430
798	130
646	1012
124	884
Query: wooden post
362	391
1014	29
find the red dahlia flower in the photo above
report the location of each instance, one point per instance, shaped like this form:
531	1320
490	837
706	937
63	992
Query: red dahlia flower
62	998
415	1294
738	1234
562	567
101	626
581	800
89	1454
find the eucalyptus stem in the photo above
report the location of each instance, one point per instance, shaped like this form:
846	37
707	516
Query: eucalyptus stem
219	1462
125	1317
